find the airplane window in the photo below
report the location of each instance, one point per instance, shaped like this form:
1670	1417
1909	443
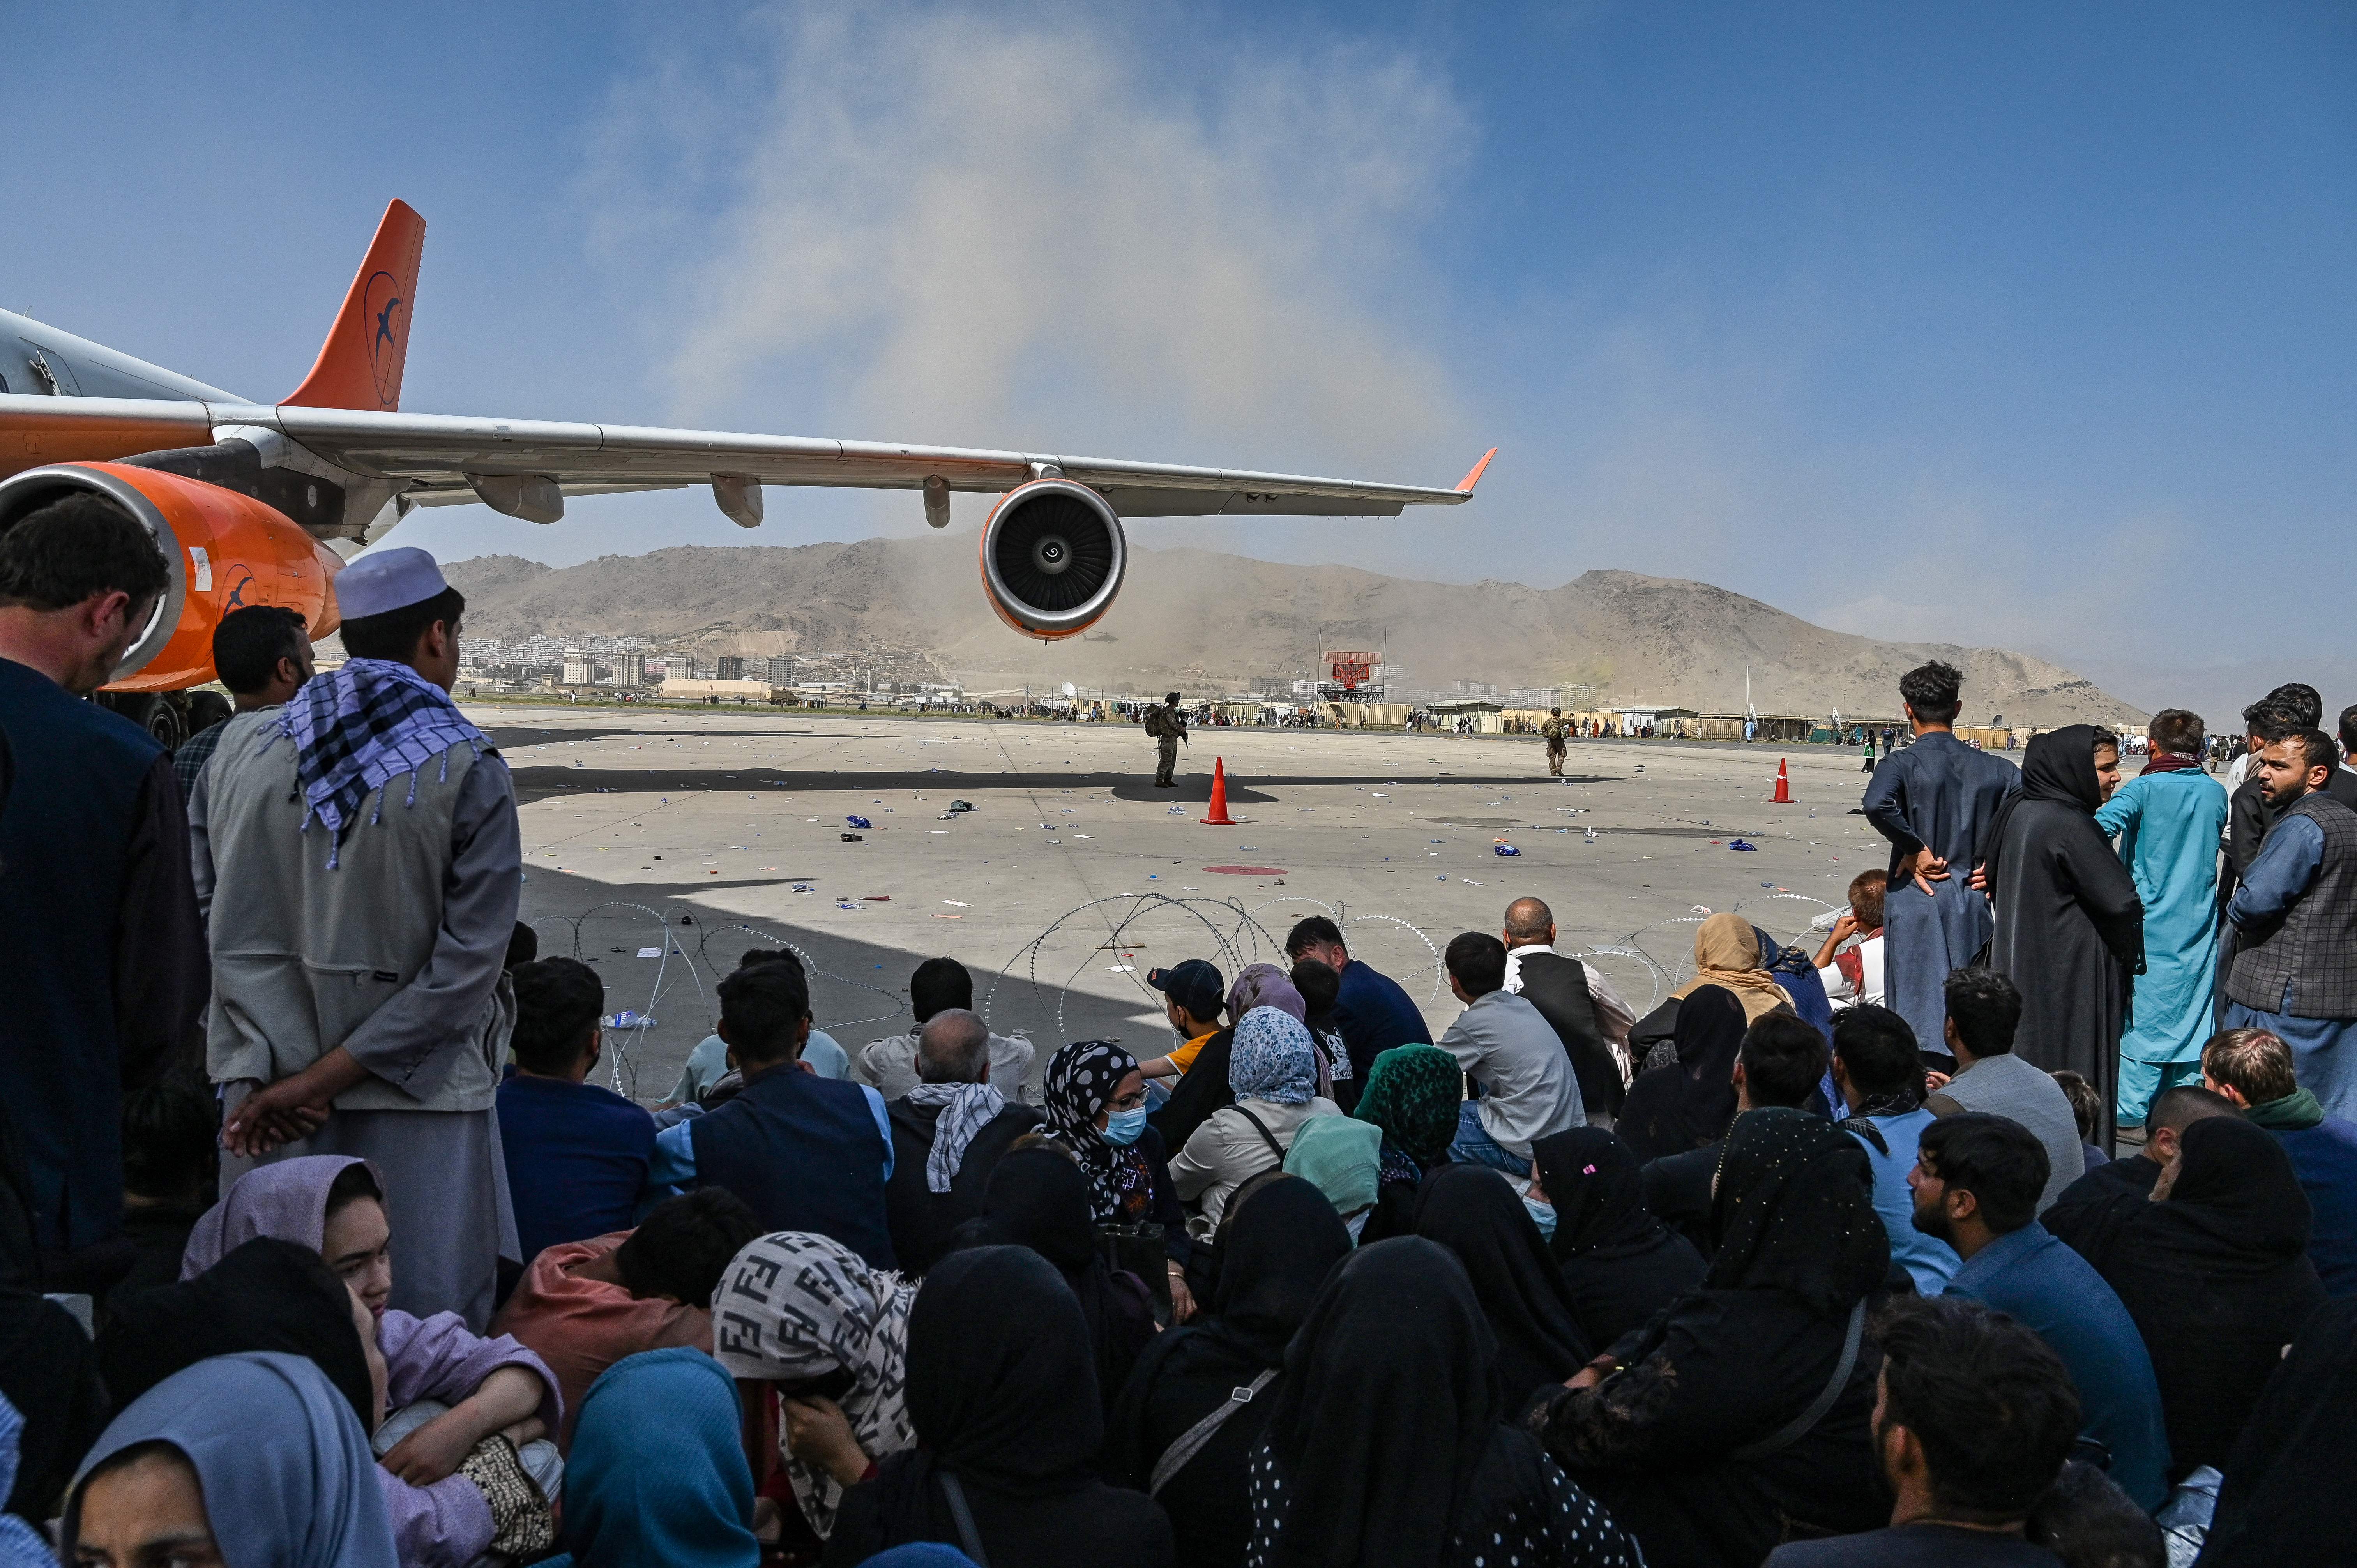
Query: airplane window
4	386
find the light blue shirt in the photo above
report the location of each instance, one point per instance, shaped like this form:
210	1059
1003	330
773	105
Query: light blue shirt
675	1149
2167	825
708	1063
1931	1260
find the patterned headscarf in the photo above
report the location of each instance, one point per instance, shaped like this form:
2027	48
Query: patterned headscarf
1273	1058
1412	1093
794	1306
358	728
1078	1083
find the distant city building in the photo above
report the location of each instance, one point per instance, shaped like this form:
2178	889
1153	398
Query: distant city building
781	672
579	669
629	670
732	668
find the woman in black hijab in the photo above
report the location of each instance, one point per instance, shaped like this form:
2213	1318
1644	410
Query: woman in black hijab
2284	1503
2070	928
1745	1407
1004	1396
1476	1214
2214	1269
1619	1264
1687	1104
1387	1447
265	1296
1282	1242
1038	1199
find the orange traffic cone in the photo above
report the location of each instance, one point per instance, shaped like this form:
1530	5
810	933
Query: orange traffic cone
1218	817
1783	795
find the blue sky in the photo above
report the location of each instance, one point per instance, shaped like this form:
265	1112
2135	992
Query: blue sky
2013	324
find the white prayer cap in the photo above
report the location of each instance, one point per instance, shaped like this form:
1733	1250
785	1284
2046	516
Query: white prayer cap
385	580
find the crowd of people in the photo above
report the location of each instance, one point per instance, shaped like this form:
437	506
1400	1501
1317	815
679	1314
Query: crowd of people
2015	1224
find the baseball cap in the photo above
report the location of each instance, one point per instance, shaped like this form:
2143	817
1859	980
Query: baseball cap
1195	985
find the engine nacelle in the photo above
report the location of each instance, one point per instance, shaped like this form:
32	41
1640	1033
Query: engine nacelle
1053	556
225	551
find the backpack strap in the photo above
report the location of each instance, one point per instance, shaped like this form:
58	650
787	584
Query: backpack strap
962	1517
1262	1128
1801	1425
1191	1441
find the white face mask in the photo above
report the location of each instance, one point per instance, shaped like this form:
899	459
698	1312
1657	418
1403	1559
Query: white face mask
1357	1223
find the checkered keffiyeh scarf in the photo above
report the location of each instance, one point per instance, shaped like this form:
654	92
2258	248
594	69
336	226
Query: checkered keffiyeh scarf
358	728
966	1109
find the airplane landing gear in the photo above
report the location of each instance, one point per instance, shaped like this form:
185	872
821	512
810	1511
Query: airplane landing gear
170	716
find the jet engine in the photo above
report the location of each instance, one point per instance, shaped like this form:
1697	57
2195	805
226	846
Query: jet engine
1052	557
224	552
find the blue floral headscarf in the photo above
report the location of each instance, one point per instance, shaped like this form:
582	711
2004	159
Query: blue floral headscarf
1273	1058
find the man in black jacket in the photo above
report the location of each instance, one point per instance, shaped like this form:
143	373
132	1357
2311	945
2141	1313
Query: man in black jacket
948	1134
1780	1064
1558	986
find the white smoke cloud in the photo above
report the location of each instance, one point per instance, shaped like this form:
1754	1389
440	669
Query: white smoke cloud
1044	232
1117	232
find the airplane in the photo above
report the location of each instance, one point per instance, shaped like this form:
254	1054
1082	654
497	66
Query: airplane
256	503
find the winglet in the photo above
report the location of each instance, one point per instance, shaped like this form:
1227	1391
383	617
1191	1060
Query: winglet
1465	486
359	364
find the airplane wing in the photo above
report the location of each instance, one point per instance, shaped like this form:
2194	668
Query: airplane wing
443	460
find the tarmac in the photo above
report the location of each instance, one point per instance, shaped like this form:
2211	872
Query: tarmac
660	844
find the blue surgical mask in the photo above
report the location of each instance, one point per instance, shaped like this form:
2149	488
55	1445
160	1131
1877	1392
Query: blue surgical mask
1543	1213
1122	1127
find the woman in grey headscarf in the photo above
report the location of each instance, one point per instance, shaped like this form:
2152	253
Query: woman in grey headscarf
1272	1067
1267	985
258	1453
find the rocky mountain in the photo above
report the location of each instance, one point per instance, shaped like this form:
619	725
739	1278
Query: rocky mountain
1210	622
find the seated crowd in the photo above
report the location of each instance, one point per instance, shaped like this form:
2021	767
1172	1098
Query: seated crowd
1800	1302
1753	1278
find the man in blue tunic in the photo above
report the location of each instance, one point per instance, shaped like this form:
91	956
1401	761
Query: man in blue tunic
2168	819
1933	801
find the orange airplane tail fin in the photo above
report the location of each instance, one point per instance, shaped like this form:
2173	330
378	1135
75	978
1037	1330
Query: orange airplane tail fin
1465	486
359	364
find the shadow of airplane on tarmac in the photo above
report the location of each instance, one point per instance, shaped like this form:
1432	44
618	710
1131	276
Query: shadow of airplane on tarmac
859	992
537	780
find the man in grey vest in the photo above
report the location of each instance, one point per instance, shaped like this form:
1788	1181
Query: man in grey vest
1167	729
2295	972
358	857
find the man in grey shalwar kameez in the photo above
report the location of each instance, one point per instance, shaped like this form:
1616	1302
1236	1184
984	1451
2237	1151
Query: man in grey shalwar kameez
359	859
1933	801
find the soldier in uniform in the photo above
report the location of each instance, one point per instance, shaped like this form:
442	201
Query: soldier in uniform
1167	729
1557	730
